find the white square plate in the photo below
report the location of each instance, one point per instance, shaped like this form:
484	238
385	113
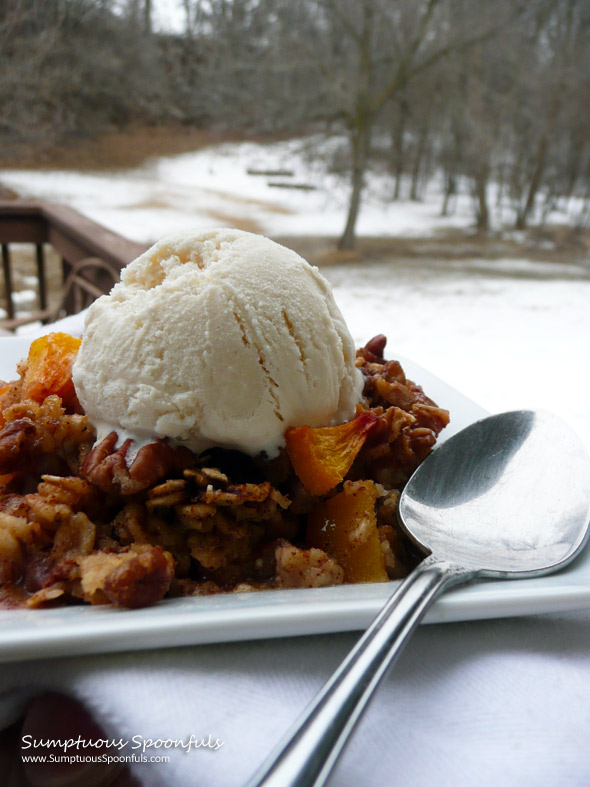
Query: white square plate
275	613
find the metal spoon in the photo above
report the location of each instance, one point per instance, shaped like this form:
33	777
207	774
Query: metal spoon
508	497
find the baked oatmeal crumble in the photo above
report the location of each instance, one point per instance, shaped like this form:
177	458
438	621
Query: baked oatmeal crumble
104	523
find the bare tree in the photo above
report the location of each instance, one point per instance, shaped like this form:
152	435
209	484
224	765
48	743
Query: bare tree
73	68
484	93
545	98
386	46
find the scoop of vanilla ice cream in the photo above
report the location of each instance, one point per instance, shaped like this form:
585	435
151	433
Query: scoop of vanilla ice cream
222	338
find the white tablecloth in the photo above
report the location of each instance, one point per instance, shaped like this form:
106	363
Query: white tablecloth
503	702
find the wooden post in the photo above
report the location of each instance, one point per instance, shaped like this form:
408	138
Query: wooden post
7	281
70	300
41	276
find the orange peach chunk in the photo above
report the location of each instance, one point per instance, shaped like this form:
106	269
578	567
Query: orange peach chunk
322	456
345	527
49	369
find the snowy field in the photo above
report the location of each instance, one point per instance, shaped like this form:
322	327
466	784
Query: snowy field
505	342
509	333
220	186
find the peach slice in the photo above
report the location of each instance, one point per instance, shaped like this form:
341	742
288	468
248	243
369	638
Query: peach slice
49	369
321	456
345	527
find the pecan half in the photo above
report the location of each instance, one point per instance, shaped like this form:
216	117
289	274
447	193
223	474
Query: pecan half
115	469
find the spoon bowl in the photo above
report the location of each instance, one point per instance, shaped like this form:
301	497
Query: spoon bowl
507	497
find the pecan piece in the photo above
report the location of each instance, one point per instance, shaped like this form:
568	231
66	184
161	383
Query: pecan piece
18	444
98	465
142	580
376	346
137	577
155	460
113	469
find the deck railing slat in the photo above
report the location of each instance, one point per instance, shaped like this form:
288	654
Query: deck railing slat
41	275
91	255
7	272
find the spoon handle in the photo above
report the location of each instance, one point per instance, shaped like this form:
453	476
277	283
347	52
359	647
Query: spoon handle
312	748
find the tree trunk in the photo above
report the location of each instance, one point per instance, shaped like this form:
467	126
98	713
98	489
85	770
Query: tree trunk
361	126
361	142
416	169
454	166
450	191
523	214
398	147
481	195
147	16
421	152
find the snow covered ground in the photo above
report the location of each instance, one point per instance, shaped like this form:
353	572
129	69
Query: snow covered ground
505	342
509	333
215	186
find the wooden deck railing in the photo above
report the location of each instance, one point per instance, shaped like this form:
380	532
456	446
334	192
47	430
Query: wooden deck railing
91	257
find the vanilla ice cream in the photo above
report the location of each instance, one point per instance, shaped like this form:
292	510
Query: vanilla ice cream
221	338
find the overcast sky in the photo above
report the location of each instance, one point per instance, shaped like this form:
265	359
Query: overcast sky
169	15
